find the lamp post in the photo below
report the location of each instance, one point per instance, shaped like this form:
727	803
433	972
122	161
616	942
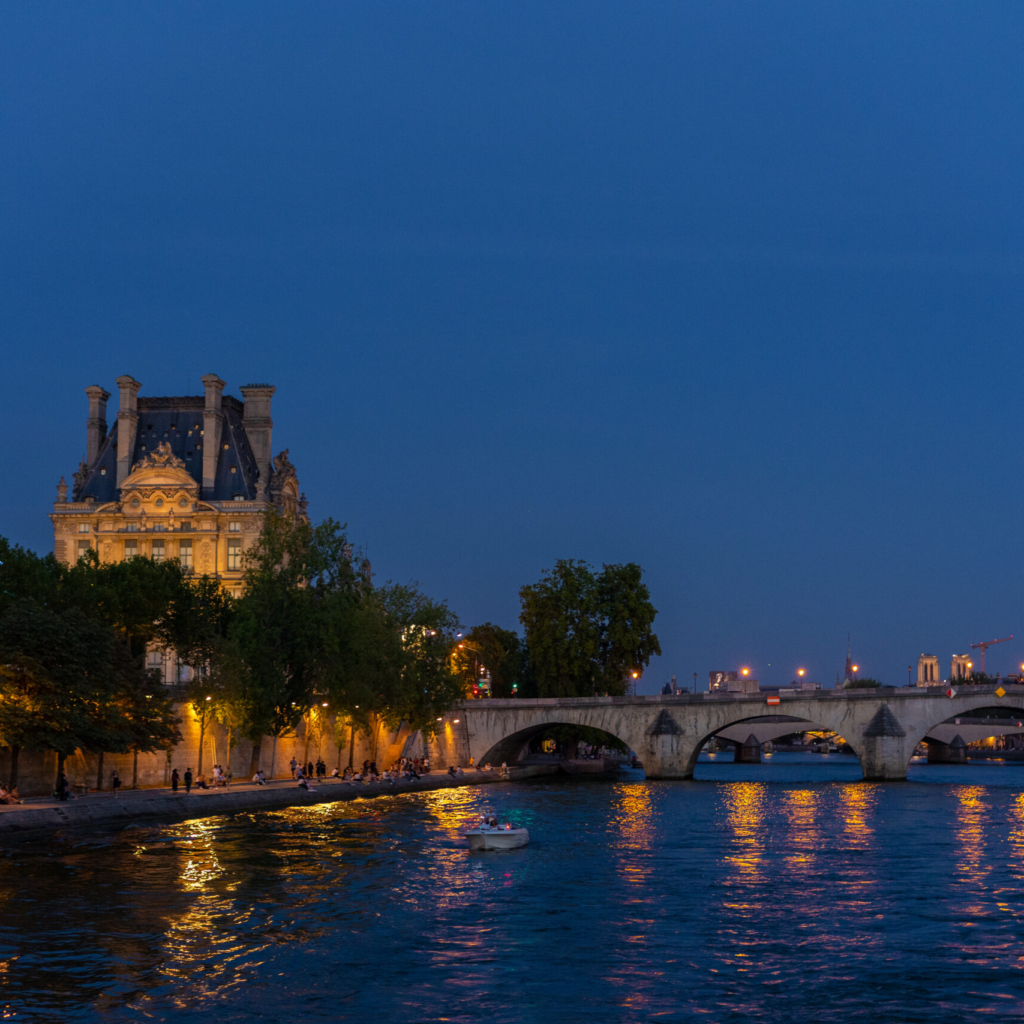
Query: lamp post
636	676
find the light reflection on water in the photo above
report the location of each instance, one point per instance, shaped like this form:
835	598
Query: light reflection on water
790	893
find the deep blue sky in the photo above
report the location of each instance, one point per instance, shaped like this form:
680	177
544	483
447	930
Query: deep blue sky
733	290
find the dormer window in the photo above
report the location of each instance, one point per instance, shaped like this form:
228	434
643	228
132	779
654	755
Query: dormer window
183	502
135	502
159	502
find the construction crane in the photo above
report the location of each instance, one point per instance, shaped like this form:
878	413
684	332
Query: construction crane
985	645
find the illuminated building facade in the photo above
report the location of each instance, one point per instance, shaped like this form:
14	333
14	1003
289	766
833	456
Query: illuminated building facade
187	478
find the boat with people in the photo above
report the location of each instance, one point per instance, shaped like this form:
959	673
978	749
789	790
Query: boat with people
489	834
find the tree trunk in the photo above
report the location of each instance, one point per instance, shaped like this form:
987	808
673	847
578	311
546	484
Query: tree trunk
227	766
202	743
373	743
99	774
15	751
305	757
135	769
254	758
351	743
273	758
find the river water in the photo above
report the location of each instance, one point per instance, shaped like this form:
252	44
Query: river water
786	891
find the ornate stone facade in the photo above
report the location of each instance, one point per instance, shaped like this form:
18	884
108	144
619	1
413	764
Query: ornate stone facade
186	478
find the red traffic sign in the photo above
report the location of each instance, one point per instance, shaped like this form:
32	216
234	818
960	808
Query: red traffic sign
773	700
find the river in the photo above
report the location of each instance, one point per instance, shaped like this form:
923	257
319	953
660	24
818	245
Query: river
786	891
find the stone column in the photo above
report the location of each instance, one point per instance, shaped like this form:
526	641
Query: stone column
258	429
213	426
127	424
954	752
667	751
749	751
883	747
96	425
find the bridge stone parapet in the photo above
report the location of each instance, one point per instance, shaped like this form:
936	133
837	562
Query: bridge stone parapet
883	726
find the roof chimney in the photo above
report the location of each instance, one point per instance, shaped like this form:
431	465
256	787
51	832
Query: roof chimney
96	425
213	425
127	424
258	429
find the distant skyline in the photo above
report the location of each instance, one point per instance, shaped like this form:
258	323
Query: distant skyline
731	290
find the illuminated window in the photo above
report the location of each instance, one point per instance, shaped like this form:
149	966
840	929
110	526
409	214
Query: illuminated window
83	547
158	551
234	554
159	527
185	553
132	527
131	548
84	527
234	527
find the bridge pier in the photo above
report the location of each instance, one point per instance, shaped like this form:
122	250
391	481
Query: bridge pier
954	752
749	751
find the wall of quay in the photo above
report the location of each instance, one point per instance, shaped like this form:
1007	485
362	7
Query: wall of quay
37	771
153	805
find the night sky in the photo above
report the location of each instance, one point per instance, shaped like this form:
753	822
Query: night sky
732	290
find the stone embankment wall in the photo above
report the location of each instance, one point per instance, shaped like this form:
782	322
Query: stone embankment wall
165	806
37	771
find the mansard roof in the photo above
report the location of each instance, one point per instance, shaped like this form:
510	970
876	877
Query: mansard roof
177	422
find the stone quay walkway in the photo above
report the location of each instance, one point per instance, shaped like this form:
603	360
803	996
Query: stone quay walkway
44	814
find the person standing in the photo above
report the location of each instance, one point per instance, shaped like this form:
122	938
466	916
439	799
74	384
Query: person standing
174	781
294	764
115	782
188	781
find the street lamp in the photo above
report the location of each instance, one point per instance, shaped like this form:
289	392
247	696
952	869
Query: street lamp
636	676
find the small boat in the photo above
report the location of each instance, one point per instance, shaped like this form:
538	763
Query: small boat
489	835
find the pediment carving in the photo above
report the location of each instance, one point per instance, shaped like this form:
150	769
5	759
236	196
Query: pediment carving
160	469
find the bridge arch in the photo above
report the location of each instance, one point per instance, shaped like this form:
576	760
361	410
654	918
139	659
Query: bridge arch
796	725
968	705
512	747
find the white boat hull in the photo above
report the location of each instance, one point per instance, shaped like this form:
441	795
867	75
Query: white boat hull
497	838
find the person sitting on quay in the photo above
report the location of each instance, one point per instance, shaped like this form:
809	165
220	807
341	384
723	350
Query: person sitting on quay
201	782
13	796
259	778
335	773
305	784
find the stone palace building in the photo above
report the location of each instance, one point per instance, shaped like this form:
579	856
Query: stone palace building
187	478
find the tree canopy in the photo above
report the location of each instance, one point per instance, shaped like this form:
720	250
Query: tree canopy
586	632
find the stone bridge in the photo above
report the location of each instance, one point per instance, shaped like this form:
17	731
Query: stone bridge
883	726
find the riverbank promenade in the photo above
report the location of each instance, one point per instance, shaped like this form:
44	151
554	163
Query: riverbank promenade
39	814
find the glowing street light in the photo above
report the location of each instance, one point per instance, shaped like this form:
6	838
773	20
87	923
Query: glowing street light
636	676
799	671
745	671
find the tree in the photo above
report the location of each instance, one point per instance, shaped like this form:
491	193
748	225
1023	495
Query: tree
58	675
499	651
586	632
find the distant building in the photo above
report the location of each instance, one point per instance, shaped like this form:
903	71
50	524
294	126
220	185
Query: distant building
928	670
961	667
187	478
732	682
